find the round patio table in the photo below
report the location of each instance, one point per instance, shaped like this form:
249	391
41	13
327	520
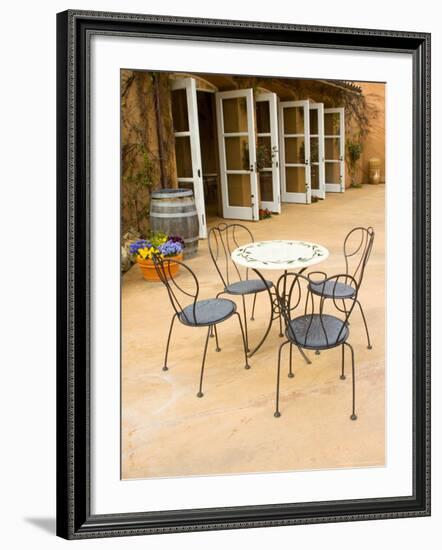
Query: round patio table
281	255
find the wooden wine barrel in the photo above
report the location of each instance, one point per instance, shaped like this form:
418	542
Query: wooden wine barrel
173	212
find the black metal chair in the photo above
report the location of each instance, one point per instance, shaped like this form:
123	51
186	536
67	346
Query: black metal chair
358	245
197	313
314	329
223	239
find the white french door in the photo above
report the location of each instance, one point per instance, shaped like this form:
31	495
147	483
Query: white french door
267	155
187	144
334	138
237	154
294	118
317	172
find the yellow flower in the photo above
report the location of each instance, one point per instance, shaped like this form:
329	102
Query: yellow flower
144	253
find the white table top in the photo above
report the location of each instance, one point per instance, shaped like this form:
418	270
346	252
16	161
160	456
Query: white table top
278	254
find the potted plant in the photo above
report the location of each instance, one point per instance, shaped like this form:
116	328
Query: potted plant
158	244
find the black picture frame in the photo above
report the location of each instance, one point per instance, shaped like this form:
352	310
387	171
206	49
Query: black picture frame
74	518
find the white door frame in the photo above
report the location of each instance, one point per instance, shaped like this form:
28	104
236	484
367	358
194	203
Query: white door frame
337	187
238	212
189	84
319	108
287	196
272	99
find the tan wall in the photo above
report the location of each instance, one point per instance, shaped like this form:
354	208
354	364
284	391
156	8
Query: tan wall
144	168
374	143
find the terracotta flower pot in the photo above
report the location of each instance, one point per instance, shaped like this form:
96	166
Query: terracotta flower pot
150	273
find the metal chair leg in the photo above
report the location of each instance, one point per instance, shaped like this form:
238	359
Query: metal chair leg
245	322
291	375
345	310
200	393
277	414
216	336
247	366
369	346
165	367
212	332
252	318
353	414
304	355
343	362
272	313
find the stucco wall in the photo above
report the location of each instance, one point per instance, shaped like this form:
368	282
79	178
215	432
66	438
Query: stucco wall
374	143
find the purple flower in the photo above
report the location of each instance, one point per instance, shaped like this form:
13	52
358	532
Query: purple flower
136	245
170	248
177	239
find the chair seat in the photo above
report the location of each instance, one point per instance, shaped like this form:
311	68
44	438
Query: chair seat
332	289
207	312
325	334
251	286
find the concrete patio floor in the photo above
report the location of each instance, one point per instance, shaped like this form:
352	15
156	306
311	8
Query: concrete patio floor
167	431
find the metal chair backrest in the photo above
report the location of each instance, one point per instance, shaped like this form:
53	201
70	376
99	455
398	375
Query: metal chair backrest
295	288
180	297
223	239
358	245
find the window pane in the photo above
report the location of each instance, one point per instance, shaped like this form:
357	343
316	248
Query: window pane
264	153
315	176
238	189
332	148
266	186
237	153
314	149
332	123
185	185
293	120
179	111
332	172
294	150
235	114
313	121
263	117
295	179
183	157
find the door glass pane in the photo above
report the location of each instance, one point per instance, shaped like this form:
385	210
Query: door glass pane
185	185
315	176
293	120
314	149
332	148
238	189
295	179
266	186
235	115
332	124
237	153
294	150
183	157
313	121
332	172
264	153
179	111
263	117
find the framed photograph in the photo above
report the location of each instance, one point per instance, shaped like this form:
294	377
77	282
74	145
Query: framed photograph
243	274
